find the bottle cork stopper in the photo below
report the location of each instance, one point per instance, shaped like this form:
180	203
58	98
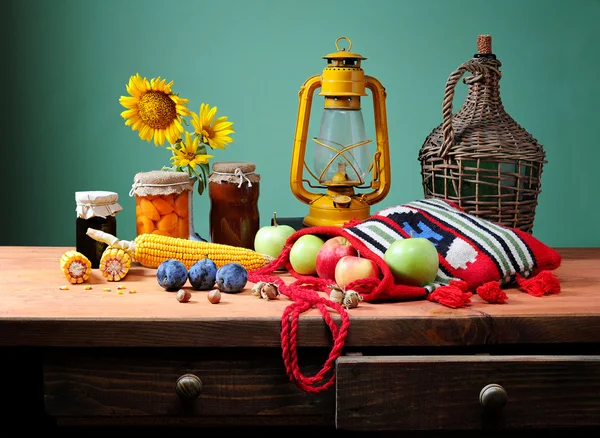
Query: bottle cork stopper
484	44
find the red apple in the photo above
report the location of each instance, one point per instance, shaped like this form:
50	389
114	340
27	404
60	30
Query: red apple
330	253
351	268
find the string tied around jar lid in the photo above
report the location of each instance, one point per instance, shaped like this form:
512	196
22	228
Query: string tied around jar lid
138	184
238	174
108	205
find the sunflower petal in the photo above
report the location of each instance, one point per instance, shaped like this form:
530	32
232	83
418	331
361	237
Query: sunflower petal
221	126
211	115
171	134
128	101
223	133
159	136
177	124
129	113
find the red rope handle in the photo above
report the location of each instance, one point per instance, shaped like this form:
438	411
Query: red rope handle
304	294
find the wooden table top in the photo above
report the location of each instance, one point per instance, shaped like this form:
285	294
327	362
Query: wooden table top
34	311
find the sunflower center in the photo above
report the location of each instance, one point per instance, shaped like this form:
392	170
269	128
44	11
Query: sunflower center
190	156
157	109
207	132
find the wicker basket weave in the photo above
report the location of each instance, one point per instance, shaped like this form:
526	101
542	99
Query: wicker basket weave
480	158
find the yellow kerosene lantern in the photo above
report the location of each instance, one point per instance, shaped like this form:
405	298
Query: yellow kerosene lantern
343	162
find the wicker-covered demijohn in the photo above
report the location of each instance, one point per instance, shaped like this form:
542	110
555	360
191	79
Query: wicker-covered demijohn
480	158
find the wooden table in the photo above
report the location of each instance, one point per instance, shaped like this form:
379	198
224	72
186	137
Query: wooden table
96	357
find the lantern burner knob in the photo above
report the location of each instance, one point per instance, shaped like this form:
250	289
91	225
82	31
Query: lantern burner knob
342	201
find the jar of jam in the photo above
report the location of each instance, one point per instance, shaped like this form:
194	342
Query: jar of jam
233	188
163	203
95	209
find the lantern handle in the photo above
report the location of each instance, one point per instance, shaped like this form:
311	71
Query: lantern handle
305	97
478	69
343	38
381	163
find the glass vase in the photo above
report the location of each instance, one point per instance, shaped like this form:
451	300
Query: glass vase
193	234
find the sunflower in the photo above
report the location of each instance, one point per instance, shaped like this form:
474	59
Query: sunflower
213	131
187	154
154	110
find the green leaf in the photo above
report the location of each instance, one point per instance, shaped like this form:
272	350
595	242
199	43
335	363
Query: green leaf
192	171
200	186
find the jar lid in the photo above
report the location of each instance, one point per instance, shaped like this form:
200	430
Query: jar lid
231	166
97	204
236	172
161	182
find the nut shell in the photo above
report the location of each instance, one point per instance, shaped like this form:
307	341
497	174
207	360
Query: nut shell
183	296
214	296
269	291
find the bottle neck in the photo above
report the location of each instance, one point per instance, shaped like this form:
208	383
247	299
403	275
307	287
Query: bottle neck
484	91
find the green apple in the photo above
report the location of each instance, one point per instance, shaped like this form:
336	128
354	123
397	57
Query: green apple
303	255
413	261
270	239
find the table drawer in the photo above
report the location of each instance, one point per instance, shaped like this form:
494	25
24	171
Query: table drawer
232	383
445	392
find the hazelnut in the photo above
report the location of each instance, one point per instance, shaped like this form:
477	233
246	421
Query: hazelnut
183	296
269	291
257	288
214	296
351	299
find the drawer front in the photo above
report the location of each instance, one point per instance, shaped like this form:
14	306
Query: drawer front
445	392
83	383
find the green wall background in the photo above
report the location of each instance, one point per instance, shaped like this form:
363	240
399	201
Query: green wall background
66	62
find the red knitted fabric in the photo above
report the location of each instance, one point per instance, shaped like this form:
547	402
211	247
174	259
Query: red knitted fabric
492	293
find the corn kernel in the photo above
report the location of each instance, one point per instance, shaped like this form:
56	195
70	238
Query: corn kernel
87	288
106	289
64	288
132	291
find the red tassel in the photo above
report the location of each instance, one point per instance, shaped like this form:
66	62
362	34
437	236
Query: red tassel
453	295
492	293
543	283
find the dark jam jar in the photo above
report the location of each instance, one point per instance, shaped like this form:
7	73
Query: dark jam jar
233	188
95	209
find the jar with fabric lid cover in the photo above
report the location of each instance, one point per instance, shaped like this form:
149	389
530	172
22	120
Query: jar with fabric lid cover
163	203
233	188
95	209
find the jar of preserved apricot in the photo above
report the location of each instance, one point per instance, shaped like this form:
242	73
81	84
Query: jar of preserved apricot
233	188
163	203
95	209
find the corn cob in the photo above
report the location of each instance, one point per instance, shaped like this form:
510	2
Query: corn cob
151	250
114	264
75	266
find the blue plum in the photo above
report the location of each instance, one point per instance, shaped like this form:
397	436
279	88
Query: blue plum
171	275
232	277
203	274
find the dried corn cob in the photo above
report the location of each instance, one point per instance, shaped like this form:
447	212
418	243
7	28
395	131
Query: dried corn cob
114	264
152	249
75	266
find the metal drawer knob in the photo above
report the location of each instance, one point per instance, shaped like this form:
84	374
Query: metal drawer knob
493	397
188	387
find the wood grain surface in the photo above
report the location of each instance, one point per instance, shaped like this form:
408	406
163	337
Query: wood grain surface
35	312
142	382
442	392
